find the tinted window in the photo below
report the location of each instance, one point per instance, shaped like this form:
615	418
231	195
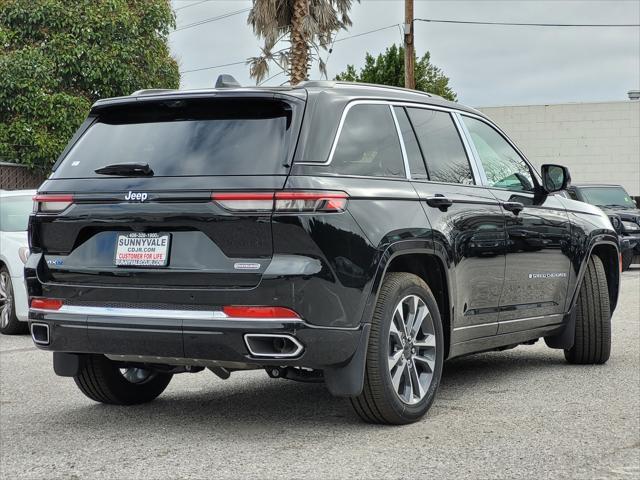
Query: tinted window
416	163
607	196
368	144
14	213
502	164
441	145
179	138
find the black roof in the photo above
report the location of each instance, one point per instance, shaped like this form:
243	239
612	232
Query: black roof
347	90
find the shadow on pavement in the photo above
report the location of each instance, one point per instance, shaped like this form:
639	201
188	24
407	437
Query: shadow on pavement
274	404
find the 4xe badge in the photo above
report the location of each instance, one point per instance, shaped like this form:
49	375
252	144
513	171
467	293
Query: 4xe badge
133	196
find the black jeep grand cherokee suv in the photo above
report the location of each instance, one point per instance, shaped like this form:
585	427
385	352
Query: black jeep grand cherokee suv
352	234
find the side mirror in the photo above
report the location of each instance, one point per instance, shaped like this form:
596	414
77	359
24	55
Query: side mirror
555	177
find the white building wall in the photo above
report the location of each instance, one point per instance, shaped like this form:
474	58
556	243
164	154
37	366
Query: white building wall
599	142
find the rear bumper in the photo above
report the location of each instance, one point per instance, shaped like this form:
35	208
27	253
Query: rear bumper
189	334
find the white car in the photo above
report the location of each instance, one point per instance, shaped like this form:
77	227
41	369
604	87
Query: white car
15	207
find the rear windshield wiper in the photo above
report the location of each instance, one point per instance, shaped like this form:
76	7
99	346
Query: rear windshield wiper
126	169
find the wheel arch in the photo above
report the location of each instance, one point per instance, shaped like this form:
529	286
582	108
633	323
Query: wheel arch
610	255
422	261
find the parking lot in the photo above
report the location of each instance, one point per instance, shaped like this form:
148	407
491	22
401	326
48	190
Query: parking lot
513	414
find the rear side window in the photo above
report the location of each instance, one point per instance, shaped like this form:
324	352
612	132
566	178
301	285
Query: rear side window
441	146
187	138
369	144
414	156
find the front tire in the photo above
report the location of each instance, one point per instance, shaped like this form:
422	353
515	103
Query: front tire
103	381
592	344
9	323
405	354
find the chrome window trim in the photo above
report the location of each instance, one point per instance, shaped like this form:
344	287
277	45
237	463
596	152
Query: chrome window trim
477	172
405	158
472	154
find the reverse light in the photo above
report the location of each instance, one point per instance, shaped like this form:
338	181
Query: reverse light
239	311
51	203
282	201
46	303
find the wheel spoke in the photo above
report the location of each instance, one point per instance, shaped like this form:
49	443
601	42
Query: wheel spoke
430	363
428	342
397	377
4	317
399	316
421	314
394	359
416	385
395	333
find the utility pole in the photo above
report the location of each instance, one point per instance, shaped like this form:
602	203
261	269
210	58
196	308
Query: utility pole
409	65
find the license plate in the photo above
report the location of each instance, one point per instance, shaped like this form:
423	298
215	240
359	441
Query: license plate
142	250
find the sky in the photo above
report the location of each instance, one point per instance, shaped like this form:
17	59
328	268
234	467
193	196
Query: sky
487	65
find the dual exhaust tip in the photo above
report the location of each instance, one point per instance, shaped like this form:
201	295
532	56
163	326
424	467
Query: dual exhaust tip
273	345
266	345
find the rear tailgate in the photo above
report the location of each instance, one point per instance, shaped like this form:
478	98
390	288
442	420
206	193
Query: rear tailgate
177	227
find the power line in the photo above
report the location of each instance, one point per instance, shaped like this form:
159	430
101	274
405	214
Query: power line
191	5
469	22
334	42
212	19
213	66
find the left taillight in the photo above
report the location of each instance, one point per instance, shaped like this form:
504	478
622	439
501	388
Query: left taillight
283	201
51	203
46	303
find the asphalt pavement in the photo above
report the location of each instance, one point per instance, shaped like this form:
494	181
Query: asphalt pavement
522	413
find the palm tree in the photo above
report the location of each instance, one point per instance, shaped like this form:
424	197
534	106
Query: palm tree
308	26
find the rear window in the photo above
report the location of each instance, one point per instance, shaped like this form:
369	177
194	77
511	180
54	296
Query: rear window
187	138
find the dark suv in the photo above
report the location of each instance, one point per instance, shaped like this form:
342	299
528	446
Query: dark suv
622	211
353	234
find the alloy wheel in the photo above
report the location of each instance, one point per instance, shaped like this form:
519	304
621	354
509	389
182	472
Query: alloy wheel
412	349
6	300
136	375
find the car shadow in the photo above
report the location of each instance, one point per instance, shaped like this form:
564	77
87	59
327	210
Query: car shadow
275	404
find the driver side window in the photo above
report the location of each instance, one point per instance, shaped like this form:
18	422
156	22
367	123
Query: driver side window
502	164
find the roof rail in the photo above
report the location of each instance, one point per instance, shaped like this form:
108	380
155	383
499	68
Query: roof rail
151	91
336	83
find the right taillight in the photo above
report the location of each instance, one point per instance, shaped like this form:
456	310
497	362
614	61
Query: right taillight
51	203
311	201
283	201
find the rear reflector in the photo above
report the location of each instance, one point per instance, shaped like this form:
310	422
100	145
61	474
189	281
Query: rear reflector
46	303
237	311
283	202
51	203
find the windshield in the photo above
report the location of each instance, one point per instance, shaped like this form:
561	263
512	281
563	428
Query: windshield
14	213
186	138
607	197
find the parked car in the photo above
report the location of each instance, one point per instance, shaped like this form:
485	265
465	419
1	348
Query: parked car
622	210
15	207
353	234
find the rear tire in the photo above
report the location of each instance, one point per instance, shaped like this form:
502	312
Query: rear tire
9	323
102	380
592	344
390	395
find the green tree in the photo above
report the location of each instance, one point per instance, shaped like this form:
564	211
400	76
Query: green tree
308	26
58	56
388	69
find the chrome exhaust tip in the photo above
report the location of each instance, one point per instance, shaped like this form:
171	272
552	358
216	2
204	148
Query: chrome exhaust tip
272	345
40	333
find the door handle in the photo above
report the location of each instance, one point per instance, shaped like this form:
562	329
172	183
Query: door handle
515	207
439	201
